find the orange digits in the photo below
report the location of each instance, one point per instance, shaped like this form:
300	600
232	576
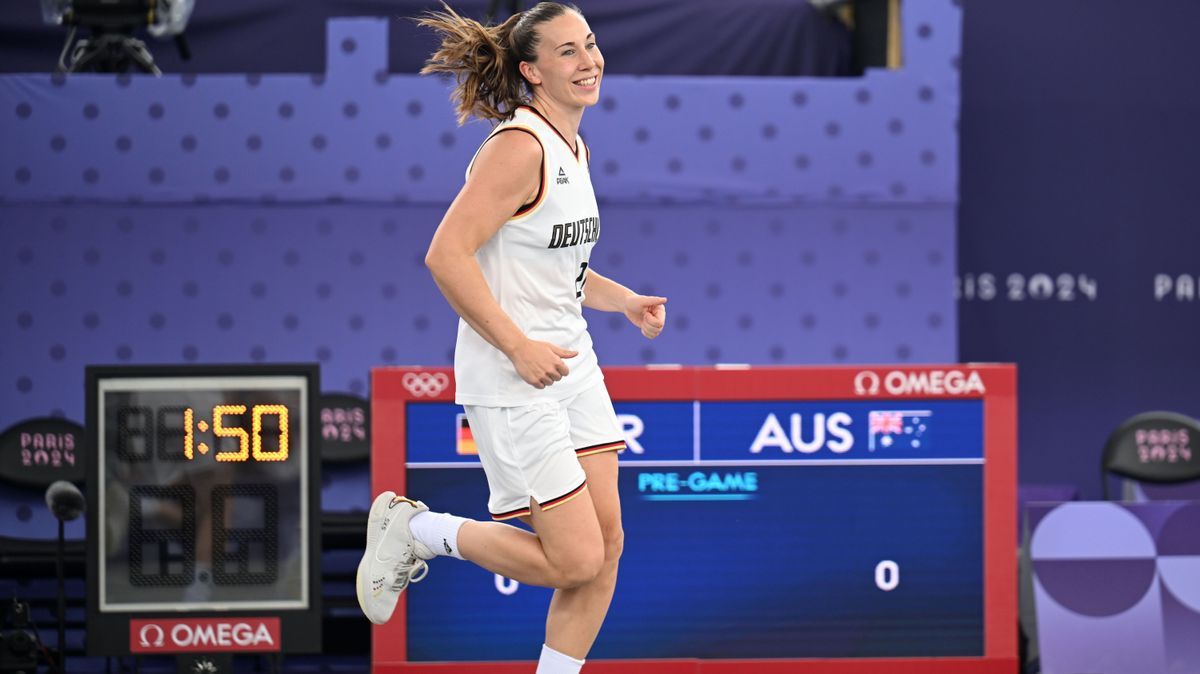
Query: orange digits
219	430
280	411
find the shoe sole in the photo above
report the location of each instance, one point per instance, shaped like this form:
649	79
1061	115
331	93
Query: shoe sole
358	576
362	605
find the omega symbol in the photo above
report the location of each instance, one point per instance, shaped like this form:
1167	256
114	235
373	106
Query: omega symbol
866	383
145	632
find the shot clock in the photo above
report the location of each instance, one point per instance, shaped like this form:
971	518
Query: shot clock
203	502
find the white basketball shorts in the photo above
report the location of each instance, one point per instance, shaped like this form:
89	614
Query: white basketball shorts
533	451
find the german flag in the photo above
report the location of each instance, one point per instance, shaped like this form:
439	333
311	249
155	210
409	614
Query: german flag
464	441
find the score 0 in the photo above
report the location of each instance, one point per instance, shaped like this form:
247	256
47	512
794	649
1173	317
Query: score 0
248	443
887	575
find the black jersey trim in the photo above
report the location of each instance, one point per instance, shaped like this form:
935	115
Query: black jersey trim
541	193
574	150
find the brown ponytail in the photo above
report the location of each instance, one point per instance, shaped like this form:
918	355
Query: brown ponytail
485	60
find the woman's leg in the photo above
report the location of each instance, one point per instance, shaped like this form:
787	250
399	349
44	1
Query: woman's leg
566	551
526	444
576	613
576	550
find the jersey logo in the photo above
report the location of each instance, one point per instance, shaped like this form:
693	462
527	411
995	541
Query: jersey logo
575	233
562	176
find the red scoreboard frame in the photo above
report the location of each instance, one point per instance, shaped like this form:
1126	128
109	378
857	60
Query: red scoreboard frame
393	388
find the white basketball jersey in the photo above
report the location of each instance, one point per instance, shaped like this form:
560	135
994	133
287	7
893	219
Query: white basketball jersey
536	266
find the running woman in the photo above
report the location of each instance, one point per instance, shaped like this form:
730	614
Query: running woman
512	257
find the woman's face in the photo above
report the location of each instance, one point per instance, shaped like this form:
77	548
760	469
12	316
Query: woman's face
569	64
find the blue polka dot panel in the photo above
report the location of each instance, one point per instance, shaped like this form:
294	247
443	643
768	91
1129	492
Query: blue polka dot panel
357	132
346	286
281	218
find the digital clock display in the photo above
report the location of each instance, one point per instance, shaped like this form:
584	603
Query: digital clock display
203	493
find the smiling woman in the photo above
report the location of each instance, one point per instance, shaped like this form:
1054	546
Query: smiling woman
498	68
512	257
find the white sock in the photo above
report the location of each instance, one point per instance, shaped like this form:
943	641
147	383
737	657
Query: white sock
438	531
553	662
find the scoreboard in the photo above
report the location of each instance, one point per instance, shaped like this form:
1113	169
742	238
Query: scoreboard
203	509
810	516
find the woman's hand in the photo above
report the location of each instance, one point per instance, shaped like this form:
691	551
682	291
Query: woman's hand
648	313
540	364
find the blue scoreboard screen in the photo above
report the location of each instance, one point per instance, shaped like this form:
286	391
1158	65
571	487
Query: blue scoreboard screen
767	514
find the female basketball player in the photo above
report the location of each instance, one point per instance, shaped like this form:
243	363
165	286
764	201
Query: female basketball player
512	257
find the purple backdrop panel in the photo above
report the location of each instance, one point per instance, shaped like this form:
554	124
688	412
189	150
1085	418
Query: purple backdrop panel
346	286
358	133
782	285
1116	586
1079	236
207	261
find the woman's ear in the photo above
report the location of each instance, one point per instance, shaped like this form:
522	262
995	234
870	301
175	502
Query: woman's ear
529	72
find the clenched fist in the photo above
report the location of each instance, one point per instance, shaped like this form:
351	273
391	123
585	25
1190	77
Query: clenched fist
648	313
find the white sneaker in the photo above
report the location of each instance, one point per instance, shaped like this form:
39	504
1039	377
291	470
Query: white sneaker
393	558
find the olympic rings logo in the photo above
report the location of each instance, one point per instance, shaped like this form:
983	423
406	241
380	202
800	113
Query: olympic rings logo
425	383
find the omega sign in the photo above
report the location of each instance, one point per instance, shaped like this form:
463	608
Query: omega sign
931	382
204	635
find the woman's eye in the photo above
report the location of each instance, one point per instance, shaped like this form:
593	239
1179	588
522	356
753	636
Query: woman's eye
591	45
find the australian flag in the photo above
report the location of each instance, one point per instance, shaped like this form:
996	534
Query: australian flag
903	428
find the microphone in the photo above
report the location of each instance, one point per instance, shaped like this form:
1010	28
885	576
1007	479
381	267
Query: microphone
64	500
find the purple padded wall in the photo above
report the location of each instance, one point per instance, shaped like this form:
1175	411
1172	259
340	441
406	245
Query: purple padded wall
283	217
346	286
358	133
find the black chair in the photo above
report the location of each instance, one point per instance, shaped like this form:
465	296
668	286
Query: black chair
1156	447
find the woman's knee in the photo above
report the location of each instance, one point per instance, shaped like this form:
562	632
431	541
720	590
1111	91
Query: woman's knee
614	543
581	567
598	559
